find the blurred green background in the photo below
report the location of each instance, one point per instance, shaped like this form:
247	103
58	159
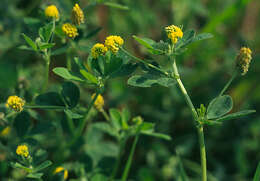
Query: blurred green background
233	149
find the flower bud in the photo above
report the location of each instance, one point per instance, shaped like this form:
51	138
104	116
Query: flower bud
243	60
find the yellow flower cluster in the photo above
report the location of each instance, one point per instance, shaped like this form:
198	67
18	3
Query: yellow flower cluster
60	169
99	103
52	12
16	103
243	59
77	15
98	49
173	32
113	43
22	150
5	131
70	30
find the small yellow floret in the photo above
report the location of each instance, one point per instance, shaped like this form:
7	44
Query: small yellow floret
60	169
22	150
173	32
70	30
5	131
99	103
52	12
77	15
98	49
113	43
243	59
16	103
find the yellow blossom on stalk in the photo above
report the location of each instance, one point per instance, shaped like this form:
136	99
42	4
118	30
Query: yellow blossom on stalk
99	103
52	12
173	32
5	131
243	59
22	150
60	169
70	30
113	43
98	49
77	15
16	103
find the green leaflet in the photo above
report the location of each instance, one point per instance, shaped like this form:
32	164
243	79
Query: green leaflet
148	80
30	42
219	107
64	73
236	115
152	46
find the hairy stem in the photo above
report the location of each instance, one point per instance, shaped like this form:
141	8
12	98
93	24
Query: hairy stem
195	118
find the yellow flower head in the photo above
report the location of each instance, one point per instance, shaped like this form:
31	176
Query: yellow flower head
77	15
99	103
60	169
113	43
70	30
5	131
22	150
16	103
173	32
243	59
52	12
98	49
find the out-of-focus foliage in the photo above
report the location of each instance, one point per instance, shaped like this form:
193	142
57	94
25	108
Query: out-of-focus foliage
232	148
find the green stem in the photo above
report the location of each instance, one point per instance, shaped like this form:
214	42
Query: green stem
47	57
121	149
202	153
195	118
71	125
184	92
84	120
130	158
52	31
228	83
144	62
104	114
44	107
47	66
69	63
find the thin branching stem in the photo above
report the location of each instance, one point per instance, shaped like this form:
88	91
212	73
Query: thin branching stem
130	159
228	83
118	159
105	114
195	118
84	120
47	57
146	63
44	107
